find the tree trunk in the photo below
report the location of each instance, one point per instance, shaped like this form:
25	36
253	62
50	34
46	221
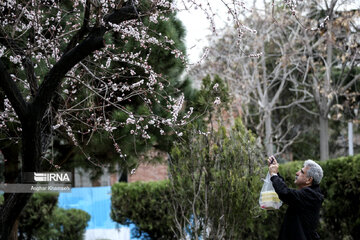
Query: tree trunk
12	165
325	101
11	157
350	138
268	134
14	230
324	138
10	212
31	153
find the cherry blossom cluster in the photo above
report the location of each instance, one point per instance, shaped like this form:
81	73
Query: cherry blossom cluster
115	93
291	4
140	32
8	115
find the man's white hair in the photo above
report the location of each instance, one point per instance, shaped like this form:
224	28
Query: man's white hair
314	171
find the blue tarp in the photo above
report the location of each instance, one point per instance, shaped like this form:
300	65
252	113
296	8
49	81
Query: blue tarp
93	200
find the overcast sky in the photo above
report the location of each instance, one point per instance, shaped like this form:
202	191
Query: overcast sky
198	27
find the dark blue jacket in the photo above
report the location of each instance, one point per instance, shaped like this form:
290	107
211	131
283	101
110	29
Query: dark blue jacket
302	215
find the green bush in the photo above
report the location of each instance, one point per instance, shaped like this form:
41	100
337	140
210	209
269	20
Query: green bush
341	208
37	213
146	205
215	179
67	224
41	219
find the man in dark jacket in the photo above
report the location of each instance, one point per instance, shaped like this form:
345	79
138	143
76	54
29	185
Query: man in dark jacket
304	203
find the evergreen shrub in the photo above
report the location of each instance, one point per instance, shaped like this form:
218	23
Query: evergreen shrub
341	208
41	219
146	205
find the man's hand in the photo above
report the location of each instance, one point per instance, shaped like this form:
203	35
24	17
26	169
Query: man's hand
273	165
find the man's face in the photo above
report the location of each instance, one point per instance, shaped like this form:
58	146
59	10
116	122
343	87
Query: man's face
301	179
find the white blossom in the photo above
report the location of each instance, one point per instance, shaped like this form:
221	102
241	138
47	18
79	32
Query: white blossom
217	101
130	120
216	86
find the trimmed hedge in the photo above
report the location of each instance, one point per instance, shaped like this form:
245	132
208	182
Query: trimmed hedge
341	187
147	205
